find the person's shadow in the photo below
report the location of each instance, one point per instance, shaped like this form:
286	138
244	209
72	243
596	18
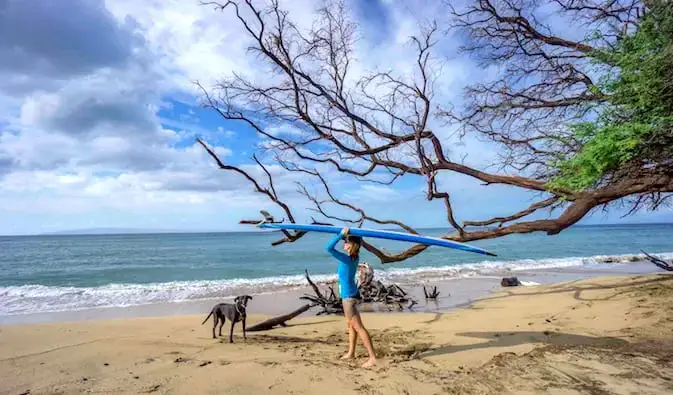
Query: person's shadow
508	339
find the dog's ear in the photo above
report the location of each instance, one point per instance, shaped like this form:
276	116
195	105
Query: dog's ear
249	297
237	299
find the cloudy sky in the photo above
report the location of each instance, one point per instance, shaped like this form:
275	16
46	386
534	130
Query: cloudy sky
98	117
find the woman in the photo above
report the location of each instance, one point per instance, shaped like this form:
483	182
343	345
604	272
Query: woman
350	294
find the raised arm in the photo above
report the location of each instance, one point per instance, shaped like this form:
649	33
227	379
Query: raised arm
337	254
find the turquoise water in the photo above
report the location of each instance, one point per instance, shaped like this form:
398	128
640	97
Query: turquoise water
74	272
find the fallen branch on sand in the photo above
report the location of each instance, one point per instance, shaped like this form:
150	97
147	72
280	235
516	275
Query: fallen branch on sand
330	305
375	292
659	262
391	294
432	295
279	320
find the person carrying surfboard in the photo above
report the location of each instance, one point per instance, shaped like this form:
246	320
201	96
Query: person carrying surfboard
350	294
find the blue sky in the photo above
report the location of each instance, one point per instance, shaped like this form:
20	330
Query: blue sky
98	116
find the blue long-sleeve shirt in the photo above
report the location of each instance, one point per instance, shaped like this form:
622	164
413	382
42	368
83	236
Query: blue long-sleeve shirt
346	270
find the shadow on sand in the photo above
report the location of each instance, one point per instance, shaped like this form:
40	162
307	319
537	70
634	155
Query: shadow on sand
310	323
587	286
508	339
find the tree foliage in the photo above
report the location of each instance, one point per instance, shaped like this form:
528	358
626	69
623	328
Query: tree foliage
634	128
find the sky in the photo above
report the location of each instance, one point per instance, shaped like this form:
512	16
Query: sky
99	114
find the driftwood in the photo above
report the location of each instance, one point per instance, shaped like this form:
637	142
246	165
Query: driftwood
374	291
315	287
659	262
330	305
432	295
510	282
279	320
377	292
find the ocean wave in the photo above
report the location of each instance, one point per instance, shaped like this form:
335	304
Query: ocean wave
27	298
497	268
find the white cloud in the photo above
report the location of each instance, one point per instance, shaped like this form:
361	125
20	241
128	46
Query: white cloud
285	130
81	141
374	193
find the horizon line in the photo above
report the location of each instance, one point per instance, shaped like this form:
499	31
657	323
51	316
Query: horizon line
141	231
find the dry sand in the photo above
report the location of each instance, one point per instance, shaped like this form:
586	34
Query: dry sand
599	336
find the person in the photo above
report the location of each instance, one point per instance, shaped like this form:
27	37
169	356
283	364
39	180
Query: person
350	294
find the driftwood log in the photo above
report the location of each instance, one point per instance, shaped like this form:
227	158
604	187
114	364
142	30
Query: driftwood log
374	291
432	294
659	262
377	292
330	304
275	321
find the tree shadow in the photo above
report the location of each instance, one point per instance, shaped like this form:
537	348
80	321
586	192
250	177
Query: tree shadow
587	286
274	339
509	339
307	323
436	318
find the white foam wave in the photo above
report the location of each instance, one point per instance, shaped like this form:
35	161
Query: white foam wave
496	268
30	298
27	298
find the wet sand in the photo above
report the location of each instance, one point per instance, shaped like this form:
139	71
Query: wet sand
603	335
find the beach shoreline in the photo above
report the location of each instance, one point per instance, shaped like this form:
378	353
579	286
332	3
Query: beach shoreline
153	275
454	293
606	333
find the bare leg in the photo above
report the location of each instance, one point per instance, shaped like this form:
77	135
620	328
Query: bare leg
366	340
349	311
352	340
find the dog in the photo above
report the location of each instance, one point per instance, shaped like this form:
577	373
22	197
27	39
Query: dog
234	312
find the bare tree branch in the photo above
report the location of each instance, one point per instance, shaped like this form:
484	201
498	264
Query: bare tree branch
519	215
376	127
270	193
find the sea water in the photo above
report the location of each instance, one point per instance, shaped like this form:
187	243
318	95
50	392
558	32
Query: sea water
66	273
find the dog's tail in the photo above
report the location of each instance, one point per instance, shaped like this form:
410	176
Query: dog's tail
204	321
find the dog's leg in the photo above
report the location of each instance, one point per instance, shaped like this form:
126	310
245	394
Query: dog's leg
222	324
215	319
231	331
243	323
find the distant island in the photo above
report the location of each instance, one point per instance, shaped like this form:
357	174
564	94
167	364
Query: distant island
127	231
121	231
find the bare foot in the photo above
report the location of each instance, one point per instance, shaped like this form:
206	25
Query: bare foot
348	356
370	362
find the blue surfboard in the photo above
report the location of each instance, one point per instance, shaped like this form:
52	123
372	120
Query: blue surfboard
380	234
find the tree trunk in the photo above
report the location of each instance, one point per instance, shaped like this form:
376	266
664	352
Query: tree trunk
279	320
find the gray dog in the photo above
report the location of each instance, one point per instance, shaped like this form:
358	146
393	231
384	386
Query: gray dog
234	312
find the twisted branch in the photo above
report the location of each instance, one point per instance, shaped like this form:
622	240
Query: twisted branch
377	129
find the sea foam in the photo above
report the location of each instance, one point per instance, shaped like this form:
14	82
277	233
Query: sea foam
29	298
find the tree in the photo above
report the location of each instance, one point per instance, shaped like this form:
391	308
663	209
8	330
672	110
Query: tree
586	123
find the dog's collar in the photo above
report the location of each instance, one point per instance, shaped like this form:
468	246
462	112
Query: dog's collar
238	310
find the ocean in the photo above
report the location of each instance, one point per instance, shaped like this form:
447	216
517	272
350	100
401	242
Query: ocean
69	273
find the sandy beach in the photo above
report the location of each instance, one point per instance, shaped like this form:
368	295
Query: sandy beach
610	335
